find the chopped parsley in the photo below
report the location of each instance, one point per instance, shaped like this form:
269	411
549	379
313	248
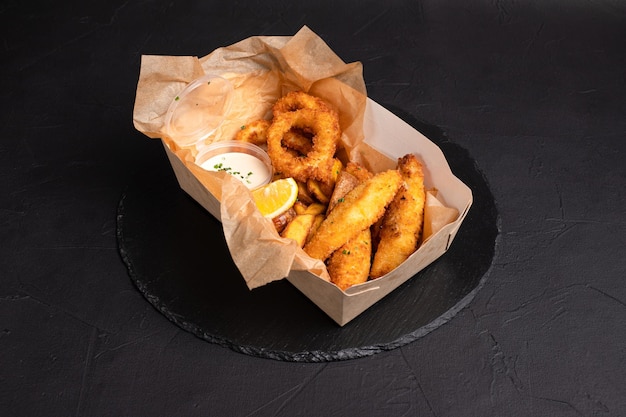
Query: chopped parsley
243	177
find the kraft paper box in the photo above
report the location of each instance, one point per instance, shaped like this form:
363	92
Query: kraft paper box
371	135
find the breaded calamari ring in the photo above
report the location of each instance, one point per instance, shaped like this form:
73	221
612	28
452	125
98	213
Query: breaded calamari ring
298	141
358	210
254	132
401	226
297	100
318	162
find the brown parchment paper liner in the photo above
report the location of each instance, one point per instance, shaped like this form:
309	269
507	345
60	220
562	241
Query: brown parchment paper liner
261	69
436	215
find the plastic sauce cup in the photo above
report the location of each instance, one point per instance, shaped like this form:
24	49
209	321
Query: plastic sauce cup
197	111
245	161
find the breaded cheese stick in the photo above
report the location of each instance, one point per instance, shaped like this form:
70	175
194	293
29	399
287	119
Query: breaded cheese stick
350	264
360	208
402	223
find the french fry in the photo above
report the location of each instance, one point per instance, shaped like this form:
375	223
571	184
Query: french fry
303	194
300	207
315	208
299	228
318	190
323	190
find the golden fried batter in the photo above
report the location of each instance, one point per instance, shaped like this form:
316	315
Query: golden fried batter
318	163
350	264
296	100
254	132
360	208
401	227
298	142
358	171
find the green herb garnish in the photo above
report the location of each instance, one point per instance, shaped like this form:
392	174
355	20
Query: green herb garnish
246	178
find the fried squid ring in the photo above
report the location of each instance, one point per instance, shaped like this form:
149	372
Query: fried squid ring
297	100
298	141
254	132
318	162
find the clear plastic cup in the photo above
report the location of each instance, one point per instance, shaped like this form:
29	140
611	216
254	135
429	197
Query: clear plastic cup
245	161
199	109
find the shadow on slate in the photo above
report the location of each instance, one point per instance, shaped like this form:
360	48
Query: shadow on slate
177	257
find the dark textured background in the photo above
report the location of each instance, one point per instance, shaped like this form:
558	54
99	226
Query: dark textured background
534	90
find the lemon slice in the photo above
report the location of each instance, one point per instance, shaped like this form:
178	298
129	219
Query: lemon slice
276	197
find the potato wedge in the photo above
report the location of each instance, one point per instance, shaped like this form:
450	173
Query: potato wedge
299	228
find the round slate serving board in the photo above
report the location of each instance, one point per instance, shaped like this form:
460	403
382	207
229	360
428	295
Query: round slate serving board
177	257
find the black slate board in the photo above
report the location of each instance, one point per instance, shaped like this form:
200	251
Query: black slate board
177	257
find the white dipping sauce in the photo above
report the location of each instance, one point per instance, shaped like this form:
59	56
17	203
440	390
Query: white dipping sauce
247	168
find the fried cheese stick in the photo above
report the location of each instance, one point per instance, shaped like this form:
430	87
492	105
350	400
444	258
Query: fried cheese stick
402	223
350	264
360	208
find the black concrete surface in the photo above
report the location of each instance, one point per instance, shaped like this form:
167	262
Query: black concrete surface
533	91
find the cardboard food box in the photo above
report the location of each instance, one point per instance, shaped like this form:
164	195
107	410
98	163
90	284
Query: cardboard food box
379	125
258	71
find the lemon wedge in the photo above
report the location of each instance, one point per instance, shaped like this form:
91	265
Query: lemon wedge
276	197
